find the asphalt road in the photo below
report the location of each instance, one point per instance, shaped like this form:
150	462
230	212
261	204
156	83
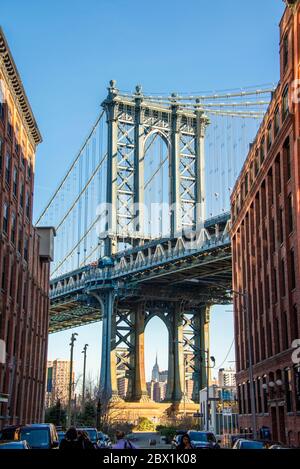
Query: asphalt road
143	440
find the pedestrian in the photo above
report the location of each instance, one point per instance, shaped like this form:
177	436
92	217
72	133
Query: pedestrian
71	440
85	440
185	443
122	442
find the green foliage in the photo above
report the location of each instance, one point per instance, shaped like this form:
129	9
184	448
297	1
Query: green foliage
56	415
168	432
145	425
88	416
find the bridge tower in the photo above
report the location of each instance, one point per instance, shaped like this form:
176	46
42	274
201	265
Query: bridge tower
130	122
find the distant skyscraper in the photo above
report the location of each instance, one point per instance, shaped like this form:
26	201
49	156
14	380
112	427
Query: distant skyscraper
58	379
155	371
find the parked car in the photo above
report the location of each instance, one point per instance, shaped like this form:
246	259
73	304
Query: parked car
60	435
204	440
38	436
177	438
248	444
103	440
12	445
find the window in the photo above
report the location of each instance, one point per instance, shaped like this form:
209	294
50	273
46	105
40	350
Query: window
7	168
22	190
283	287
246	184
295	333
15	181
275	286
265	396
297	386
3	279
269	136
277	337
285	102
287	157
20	235
293	270
26	249
278	173
290	213
262	151
13	228
259	402
9	124
29	171
281	224
256	163
276	121
288	389
285	51
5	218
285	331
27	204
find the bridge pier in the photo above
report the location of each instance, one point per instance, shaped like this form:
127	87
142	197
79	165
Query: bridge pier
139	389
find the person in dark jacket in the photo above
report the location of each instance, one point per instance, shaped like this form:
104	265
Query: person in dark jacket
185	443
71	440
85	441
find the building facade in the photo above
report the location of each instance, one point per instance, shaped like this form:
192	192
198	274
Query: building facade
58	381
24	262
226	377
265	249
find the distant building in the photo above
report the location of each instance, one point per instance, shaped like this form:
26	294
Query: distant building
157	387
122	384
58	378
223	409
226	377
155	371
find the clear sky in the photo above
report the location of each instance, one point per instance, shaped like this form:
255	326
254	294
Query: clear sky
67	51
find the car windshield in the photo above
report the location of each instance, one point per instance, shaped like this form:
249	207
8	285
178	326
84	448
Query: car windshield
252	445
12	445
36	437
198	436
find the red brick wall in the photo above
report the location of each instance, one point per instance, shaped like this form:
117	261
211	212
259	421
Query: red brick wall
23	293
265	233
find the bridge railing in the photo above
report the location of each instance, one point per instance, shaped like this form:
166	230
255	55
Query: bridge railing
78	281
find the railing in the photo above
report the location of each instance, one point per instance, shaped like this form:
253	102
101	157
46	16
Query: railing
68	284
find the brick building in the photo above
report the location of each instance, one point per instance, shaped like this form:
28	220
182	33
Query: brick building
25	253
265	244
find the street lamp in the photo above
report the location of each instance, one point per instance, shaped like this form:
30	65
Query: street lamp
84	370
73	338
206	351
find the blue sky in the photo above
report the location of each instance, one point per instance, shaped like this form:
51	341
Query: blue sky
67	51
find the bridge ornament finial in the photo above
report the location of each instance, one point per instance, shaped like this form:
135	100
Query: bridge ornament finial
112	90
138	90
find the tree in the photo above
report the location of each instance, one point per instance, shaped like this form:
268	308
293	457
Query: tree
56	415
88	416
144	424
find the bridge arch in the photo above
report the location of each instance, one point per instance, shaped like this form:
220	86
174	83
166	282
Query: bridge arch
156	156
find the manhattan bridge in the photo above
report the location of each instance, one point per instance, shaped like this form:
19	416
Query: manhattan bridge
143	227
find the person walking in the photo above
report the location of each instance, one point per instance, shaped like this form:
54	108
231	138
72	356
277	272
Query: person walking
71	440
185	443
85	440
122	442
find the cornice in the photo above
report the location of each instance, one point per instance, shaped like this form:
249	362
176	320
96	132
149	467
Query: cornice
16	86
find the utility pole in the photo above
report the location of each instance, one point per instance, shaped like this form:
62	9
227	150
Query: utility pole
84	370
207	386
73	338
